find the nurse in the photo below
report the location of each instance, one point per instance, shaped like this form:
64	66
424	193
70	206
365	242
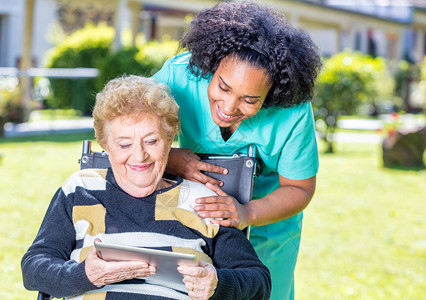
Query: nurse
247	80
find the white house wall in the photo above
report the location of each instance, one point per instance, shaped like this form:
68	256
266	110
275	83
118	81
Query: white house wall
13	12
44	20
12	31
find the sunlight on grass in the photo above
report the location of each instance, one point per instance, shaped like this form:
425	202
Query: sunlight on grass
55	114
31	170
363	235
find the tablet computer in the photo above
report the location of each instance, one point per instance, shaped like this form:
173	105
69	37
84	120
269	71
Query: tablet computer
166	262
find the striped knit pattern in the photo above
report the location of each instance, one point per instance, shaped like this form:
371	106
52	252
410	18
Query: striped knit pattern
90	205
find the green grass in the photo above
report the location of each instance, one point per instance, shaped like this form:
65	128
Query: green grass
363	235
364	231
54	114
31	169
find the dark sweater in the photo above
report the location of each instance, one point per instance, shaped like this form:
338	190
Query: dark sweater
90	204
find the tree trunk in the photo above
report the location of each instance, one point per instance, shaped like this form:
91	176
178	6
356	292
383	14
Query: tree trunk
328	138
2	122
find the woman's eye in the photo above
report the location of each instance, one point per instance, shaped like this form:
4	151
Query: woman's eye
124	146
151	142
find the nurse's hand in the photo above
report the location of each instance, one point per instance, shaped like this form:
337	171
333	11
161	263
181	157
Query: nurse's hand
186	164
223	206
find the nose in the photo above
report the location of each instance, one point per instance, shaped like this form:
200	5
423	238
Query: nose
230	105
139	152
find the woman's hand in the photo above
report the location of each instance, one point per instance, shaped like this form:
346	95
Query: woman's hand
223	206
100	272
186	164
200	281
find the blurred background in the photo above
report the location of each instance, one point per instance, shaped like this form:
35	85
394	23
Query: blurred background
364	232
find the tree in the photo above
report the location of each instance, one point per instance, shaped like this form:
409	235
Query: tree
348	80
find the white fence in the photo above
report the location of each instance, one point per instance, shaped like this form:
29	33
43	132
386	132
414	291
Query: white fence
68	73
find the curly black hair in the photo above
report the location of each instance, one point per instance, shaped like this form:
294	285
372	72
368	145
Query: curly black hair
262	37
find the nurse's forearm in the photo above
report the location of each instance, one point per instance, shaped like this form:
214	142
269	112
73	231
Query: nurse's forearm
285	202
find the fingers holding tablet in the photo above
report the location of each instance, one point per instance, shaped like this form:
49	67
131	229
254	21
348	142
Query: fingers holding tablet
162	264
200	281
101	272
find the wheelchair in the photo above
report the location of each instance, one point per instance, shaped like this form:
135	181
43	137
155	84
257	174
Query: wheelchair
237	183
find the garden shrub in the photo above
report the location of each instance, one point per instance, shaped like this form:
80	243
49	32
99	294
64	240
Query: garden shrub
9	101
91	47
144	60
423	69
117	63
84	48
153	54
422	83
348	80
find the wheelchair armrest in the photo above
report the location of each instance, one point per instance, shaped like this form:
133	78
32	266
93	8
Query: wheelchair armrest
91	159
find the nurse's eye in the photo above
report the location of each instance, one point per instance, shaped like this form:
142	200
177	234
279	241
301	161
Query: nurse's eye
223	88
250	101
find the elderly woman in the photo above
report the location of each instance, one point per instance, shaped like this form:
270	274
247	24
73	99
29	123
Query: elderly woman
132	204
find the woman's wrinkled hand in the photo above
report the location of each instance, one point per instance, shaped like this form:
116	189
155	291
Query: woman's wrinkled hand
222	209
101	272
200	281
186	164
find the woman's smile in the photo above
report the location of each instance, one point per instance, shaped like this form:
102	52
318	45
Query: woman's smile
140	167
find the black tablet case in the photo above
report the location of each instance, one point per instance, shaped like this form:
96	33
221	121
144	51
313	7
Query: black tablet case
238	183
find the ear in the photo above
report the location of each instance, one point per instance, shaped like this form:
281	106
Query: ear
171	142
105	146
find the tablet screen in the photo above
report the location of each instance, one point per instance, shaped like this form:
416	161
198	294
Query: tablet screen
166	262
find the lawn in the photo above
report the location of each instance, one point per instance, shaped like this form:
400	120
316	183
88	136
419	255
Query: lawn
363	237
364	231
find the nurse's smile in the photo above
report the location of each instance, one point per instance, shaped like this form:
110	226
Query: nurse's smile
225	118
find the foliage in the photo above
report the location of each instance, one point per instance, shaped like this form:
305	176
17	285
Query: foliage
84	48
8	91
153	54
422	84
91	47
117	63
407	73
349	79
423	70
145	59
10	109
